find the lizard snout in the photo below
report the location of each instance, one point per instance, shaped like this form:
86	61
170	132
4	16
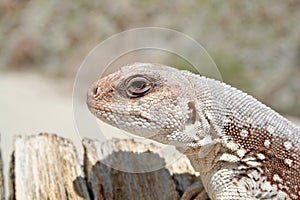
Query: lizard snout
93	94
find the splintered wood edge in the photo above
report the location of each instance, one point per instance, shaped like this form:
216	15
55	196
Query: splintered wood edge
108	181
47	167
180	163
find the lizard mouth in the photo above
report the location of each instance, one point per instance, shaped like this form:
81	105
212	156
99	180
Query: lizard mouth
115	119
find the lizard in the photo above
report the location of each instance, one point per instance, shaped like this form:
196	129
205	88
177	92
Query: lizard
242	148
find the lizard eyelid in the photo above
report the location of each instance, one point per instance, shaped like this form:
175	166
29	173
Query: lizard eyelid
138	86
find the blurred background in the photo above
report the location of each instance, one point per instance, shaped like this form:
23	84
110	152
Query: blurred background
255	44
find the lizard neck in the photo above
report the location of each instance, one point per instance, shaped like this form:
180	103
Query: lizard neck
251	133
203	159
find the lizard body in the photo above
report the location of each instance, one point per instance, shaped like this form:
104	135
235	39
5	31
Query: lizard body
242	148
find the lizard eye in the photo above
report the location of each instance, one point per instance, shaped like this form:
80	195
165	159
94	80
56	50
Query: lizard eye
138	86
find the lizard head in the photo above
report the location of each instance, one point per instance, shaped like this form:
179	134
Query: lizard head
149	100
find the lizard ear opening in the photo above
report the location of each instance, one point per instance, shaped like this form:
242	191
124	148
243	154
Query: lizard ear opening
193	112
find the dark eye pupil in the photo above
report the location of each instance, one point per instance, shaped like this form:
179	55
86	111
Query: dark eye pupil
139	85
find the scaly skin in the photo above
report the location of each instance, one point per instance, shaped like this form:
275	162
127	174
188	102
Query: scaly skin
242	148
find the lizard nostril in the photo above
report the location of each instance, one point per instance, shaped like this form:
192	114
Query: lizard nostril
95	90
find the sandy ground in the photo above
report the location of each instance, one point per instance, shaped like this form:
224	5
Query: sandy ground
32	104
